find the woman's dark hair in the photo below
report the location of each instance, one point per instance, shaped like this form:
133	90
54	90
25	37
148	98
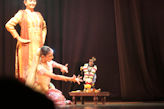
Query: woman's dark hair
45	50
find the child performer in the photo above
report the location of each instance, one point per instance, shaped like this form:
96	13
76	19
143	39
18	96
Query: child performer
44	73
89	70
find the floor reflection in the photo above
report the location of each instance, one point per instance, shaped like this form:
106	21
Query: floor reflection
117	105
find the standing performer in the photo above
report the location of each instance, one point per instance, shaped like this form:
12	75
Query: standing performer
44	74
32	36
89	70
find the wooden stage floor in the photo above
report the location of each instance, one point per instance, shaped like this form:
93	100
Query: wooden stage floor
116	105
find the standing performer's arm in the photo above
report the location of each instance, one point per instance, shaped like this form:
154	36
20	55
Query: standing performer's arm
10	25
44	31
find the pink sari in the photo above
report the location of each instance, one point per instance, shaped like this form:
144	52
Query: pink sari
56	96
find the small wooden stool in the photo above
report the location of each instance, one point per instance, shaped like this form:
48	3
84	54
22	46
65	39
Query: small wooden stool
91	94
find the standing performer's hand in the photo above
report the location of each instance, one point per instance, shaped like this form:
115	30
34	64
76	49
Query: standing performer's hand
24	41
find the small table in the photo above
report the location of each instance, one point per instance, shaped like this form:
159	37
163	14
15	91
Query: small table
95	96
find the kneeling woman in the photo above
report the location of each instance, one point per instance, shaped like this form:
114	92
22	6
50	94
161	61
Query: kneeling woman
44	74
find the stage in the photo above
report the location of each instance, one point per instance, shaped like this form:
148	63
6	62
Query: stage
117	105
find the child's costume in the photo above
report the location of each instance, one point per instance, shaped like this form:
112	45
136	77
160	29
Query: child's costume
89	75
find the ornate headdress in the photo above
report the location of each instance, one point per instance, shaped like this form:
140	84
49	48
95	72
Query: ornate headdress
93	59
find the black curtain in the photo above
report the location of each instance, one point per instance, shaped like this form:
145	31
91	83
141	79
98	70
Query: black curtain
139	40
125	36
88	29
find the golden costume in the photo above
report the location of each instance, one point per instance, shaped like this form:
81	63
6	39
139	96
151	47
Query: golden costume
33	28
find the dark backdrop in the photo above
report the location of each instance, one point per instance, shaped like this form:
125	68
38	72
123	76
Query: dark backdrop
125	36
